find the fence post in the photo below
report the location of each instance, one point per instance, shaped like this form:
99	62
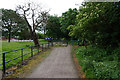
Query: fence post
73	42
4	64
22	56
52	43
67	42
31	51
38	48
48	44
42	47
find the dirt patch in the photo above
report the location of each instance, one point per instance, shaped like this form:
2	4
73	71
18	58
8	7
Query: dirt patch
79	68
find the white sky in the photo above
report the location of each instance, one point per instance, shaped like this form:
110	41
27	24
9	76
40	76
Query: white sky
55	6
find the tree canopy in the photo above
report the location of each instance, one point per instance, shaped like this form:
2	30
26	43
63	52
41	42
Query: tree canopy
68	18
98	23
53	27
12	23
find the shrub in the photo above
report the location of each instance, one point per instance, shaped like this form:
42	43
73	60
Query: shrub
96	62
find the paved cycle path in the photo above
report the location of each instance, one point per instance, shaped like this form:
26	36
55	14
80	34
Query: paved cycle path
58	64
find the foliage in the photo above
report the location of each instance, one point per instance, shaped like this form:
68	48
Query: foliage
68	18
24	34
53	27
98	23
14	25
97	63
11	23
40	36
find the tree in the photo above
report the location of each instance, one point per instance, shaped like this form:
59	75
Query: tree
11	23
24	34
53	27
68	18
34	17
98	23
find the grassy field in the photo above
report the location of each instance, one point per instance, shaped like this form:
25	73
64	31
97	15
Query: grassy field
98	63
16	45
13	45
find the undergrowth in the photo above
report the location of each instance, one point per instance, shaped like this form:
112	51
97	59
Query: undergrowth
98	63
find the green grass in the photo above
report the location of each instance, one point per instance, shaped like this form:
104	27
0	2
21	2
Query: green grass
16	45
13	45
26	69
98	63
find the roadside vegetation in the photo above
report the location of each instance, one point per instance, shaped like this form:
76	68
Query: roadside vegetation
97	30
98	63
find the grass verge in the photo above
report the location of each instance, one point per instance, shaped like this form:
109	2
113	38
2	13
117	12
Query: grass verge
79	68
27	69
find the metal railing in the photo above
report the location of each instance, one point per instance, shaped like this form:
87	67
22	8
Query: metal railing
31	48
74	42
22	54
60	42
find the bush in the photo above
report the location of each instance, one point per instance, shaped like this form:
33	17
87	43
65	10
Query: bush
96	62
106	69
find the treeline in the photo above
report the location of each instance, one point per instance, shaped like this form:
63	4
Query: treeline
14	25
96	23
57	26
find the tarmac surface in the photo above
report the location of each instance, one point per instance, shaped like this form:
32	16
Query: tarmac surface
58	64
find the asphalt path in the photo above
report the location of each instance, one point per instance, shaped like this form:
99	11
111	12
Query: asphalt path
58	64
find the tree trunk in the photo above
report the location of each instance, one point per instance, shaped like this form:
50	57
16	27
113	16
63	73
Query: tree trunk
44	32
35	38
33	34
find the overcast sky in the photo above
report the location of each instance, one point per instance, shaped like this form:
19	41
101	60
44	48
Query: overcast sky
55	6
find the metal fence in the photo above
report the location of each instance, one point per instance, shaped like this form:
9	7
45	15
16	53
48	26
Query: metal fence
60	42
23	52
74	42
